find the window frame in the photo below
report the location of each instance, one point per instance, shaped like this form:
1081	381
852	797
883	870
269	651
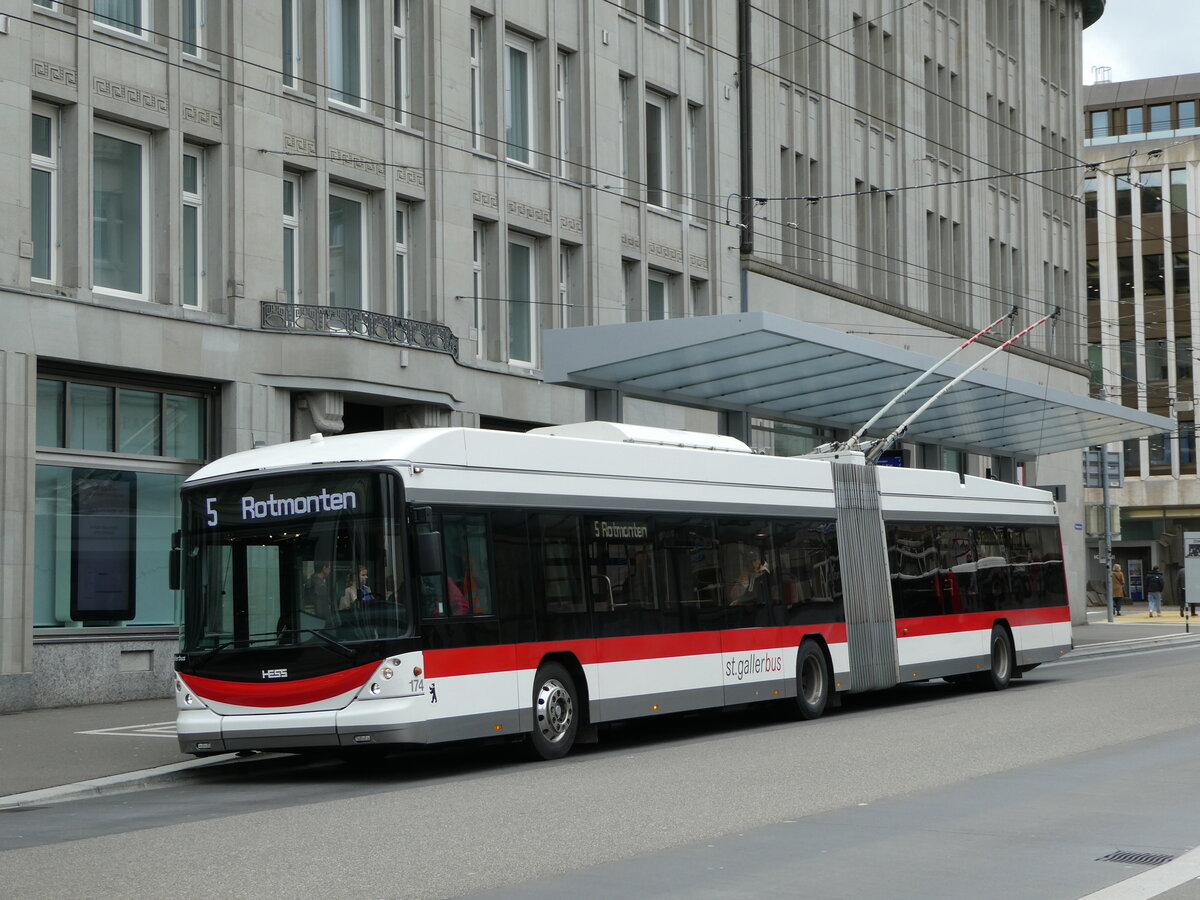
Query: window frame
192	200
662	279
141	139
529	243
290	49
400	247
292	224
516	43
140	29
477	110
402	70
197	22
562	104
659	181
362	199
49	165
337	93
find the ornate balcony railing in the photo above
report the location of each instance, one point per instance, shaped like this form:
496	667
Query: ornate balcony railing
358	323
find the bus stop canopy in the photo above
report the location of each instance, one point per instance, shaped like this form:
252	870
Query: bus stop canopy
779	368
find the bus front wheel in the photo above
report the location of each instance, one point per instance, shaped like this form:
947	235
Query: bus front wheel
812	681
999	675
555	712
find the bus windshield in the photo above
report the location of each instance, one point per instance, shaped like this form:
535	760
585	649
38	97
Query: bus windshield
281	561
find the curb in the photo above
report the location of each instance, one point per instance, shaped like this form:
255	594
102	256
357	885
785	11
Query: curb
111	784
1130	645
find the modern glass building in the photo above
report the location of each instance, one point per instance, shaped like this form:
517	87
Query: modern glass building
1142	240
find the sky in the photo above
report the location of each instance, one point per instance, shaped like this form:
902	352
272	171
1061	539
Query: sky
1144	39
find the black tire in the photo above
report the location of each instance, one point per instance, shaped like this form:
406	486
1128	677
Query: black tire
813	681
555	712
999	675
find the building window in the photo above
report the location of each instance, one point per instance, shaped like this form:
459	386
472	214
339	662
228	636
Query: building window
1135	123
1160	117
1179	190
476	81
1099	123
191	14
658	296
344	38
694	156
562	108
518	99
103	523
291	41
43	192
655	12
400	60
119	211
631	289
401	252
132	16
658	150
1187	114
477	283
522	299
570	312
291	237
626	136
699	297
193	226
347	251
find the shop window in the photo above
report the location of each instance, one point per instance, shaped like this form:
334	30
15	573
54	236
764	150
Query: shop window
111	460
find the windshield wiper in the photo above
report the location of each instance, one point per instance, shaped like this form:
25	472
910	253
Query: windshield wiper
336	644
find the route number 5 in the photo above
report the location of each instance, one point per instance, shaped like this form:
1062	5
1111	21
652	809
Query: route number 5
212	513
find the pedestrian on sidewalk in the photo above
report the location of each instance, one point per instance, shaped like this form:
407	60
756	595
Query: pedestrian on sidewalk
1180	589
1118	584
1154	588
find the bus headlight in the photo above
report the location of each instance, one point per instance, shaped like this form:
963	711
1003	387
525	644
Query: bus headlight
189	699
387	674
376	689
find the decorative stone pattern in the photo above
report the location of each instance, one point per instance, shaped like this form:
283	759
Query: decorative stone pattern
662	251
210	118
295	144
356	161
532	213
486	200
411	175
631	241
56	73
574	224
126	93
696	261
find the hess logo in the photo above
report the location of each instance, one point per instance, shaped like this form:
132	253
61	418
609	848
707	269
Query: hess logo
274	673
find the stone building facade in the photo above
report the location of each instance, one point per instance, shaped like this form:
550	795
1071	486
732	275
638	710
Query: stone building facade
227	224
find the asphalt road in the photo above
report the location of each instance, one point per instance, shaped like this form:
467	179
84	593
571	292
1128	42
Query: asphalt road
926	791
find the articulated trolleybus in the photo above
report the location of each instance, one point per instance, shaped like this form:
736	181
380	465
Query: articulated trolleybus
420	586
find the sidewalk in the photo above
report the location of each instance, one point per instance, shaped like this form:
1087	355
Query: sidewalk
50	754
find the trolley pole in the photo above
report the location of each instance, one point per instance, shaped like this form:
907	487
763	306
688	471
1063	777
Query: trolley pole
1108	556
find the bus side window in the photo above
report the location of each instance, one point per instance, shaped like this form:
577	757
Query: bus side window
467	579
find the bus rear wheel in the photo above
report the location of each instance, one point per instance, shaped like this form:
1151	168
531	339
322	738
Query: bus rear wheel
999	675
555	712
812	681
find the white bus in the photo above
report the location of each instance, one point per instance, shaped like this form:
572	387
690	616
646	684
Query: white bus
419	586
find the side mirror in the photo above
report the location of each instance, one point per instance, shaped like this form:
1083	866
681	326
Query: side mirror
429	553
173	563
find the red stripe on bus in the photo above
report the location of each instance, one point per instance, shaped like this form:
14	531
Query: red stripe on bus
503	658
279	693
929	625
